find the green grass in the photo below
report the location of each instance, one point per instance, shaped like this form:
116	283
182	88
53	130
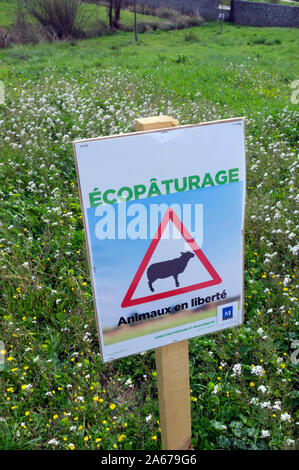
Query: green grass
7	12
55	390
179	64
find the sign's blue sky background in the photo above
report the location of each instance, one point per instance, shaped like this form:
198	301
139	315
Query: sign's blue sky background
115	262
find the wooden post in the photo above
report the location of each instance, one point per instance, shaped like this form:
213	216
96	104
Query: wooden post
172	361
155	122
135	22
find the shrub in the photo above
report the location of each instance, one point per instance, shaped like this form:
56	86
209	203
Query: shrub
5	38
146	26
259	41
262	40
28	33
273	42
181	59
190	37
98	28
61	18
168	13
175	19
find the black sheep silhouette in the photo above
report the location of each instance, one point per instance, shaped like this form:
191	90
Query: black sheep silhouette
172	267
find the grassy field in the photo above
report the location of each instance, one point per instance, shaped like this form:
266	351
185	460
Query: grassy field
55	390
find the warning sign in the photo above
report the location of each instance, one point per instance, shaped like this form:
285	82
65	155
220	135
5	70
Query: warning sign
163	216
169	268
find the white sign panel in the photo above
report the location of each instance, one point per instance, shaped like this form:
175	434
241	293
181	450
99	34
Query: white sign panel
163	215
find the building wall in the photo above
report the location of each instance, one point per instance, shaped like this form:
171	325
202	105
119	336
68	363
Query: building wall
265	14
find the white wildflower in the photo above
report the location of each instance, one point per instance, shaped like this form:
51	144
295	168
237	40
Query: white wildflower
237	370
257	370
53	442
285	417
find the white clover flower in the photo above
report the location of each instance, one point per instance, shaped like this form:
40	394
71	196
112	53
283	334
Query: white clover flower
257	370
28	387
53	442
222	427
262	388
129	382
294	249
265	433
285	417
237	370
265	404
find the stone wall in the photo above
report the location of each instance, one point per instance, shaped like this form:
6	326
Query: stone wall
265	14
245	13
208	9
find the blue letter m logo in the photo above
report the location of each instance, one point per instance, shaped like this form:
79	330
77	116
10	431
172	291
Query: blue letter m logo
227	312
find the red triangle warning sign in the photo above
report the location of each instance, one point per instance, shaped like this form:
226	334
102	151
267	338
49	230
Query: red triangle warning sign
216	279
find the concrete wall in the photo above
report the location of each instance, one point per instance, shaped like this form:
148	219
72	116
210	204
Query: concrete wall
208	9
265	14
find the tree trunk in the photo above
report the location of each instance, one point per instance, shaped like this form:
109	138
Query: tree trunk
117	9
135	22
109	7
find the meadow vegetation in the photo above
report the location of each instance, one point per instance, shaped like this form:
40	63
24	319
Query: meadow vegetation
56	393
35	21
